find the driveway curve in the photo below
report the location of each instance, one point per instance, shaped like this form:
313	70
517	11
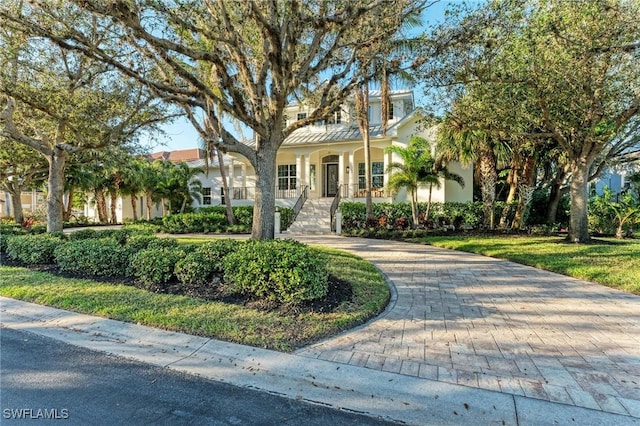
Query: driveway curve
492	324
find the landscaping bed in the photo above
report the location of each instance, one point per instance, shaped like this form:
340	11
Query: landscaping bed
163	283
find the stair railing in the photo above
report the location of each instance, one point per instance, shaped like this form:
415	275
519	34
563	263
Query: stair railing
334	207
304	194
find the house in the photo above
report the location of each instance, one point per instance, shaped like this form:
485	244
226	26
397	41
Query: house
325	158
328	157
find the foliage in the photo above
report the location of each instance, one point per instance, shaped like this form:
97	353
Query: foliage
94	256
284	271
154	267
213	220
283	330
609	212
197	268
554	73
33	249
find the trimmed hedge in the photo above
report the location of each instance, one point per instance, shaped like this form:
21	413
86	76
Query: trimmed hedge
213	220
197	268
284	271
33	249
94	256
154	267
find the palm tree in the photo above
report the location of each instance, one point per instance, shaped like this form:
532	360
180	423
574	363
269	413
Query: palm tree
456	141
418	167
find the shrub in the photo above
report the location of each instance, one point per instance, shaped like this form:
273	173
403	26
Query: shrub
285	271
159	243
83	234
94	256
139	242
33	249
197	268
154	267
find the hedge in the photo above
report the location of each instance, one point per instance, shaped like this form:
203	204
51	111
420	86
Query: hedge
94	256
284	271
33	249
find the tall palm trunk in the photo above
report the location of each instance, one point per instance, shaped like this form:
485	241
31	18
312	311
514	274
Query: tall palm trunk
488	176
362	108
114	201
149	205
101	205
134	206
526	192
512	181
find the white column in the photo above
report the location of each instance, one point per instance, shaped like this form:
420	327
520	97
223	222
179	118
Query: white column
353	174
244	175
307	170
298	173
341	179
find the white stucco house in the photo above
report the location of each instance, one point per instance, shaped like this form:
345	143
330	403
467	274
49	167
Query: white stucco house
327	158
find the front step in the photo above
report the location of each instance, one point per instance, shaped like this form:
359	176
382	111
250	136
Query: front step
314	218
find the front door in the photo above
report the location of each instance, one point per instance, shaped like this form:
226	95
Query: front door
331	180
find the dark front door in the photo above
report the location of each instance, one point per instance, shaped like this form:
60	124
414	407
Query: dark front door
331	180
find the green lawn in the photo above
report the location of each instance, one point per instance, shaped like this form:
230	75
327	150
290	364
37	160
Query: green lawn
234	323
611	262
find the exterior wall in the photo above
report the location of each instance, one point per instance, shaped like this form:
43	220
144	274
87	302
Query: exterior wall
31	201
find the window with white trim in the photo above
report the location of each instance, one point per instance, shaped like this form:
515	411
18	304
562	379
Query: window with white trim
377	175
206	196
287	176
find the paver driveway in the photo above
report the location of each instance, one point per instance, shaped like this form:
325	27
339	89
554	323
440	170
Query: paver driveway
497	325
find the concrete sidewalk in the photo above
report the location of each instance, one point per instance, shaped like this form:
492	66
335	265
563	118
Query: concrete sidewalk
467	339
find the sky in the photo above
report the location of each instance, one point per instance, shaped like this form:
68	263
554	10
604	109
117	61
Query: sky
181	134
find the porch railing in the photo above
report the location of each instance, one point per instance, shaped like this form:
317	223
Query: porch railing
355	191
304	194
334	207
248	193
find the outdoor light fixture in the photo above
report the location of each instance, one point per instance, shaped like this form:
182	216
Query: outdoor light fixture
347	169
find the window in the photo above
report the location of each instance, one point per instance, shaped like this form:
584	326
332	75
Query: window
312	177
390	115
206	196
377	175
335	117
287	176
302	115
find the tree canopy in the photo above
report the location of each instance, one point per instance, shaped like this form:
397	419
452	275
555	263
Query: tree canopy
260	56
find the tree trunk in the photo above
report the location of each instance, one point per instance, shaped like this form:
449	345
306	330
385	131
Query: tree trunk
55	205
101	206
265	198
225	185
526	191
134	206
489	176
555	195
362	109
149	206
512	180
578	223
69	206
426	215
16	202
414	209
112	207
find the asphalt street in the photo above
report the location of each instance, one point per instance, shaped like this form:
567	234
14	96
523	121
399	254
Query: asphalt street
45	381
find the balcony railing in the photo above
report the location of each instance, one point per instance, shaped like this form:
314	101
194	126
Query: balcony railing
355	191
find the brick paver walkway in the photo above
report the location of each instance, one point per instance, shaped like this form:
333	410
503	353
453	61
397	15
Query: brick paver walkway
492	324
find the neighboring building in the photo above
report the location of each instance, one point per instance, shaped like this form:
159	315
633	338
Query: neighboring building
326	157
31	201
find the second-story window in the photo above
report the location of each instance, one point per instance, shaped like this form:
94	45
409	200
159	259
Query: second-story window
302	115
335	117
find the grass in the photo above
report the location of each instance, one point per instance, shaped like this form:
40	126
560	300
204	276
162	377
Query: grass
610	262
233	323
